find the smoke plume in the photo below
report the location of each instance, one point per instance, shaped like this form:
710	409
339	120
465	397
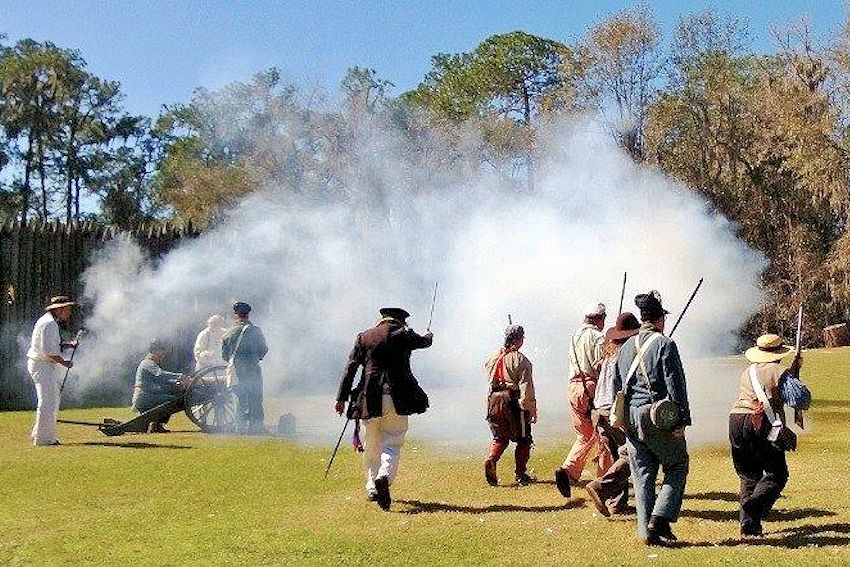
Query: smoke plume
316	271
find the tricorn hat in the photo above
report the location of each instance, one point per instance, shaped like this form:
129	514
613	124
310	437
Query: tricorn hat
60	301
627	326
650	305
241	308
769	348
394	312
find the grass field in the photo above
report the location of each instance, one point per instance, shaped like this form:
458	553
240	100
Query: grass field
190	498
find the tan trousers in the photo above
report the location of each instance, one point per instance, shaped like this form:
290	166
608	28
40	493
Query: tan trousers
382	444
587	439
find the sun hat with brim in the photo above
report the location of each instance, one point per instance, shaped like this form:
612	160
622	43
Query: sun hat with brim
627	326
769	348
60	301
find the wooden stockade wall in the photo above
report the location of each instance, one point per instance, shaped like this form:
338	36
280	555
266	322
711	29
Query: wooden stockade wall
47	259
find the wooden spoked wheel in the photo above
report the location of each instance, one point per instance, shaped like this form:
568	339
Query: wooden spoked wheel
210	403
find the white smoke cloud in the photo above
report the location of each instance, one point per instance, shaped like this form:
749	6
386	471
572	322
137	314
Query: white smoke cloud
316	273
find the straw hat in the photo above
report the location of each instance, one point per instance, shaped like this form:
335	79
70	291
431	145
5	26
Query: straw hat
60	301
769	348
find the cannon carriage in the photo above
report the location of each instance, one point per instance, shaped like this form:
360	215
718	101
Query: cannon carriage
208	401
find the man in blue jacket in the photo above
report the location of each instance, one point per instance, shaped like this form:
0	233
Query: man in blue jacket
657	413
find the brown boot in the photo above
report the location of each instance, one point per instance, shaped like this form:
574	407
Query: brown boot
490	472
593	492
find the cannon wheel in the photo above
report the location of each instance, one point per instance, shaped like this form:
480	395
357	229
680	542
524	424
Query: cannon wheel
210	403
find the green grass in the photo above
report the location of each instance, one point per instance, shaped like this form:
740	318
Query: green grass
194	498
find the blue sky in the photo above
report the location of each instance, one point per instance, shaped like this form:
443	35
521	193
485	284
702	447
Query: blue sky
161	50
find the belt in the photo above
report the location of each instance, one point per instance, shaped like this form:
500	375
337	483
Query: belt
501	388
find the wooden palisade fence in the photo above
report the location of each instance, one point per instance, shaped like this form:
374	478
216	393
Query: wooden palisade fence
47	259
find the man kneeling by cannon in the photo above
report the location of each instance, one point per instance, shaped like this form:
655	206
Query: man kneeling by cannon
155	386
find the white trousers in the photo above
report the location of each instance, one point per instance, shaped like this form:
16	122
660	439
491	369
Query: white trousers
382	444
48	379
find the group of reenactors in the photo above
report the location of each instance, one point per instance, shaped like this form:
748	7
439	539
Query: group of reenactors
628	405
242	345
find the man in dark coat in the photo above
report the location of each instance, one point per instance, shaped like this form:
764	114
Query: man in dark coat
246	344
386	394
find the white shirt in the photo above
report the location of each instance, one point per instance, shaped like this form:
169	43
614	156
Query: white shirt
603	399
208	347
586	350
45	339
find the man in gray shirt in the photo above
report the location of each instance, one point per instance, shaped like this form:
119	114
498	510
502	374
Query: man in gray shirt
658	377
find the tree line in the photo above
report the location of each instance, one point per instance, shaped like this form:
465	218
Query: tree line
762	137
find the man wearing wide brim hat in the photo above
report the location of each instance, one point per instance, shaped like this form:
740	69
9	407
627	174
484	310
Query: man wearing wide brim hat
610	492
386	395
759	464
47	367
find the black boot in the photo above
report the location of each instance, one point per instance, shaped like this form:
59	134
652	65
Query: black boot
382	492
562	481
659	531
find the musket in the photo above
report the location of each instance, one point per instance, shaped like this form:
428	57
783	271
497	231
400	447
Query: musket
509	320
433	303
73	352
799	329
338	441
798	413
622	293
688	304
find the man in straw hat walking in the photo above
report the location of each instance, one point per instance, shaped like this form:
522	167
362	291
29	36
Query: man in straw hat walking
47	367
387	393
759	463
585	357
657	412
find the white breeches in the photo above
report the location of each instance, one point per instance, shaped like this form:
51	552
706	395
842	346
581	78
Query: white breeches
382	444
48	379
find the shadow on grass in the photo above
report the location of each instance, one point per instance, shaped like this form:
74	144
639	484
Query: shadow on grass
419	507
714	496
790	538
131	445
774	515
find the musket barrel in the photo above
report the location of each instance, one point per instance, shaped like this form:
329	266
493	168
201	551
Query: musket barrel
688	304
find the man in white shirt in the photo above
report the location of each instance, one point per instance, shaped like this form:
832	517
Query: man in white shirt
585	357
47	368
208	343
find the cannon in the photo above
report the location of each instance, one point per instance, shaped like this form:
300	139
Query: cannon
208	402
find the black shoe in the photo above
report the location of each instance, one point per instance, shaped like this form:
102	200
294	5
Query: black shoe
524	479
659	527
382	492
490	472
751	529
562	481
